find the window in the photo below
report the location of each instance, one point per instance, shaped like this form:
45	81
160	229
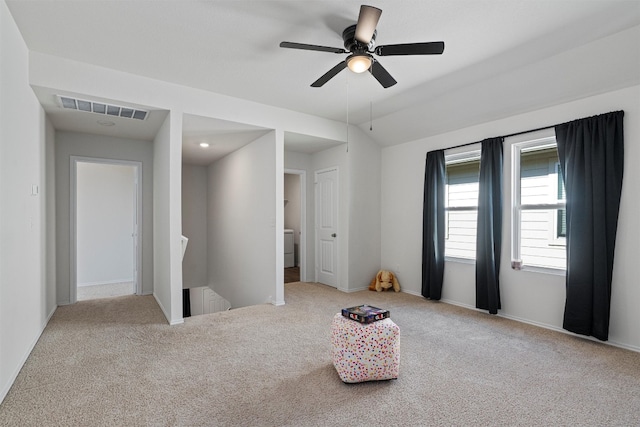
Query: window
461	204
539	206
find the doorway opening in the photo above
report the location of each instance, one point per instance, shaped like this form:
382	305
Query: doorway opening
106	207
295	225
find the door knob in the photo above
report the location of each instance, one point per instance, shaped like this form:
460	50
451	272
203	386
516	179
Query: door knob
333	235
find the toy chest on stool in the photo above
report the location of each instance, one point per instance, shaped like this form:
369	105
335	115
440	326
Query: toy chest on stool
365	352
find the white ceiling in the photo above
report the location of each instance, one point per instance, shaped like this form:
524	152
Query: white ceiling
222	136
231	47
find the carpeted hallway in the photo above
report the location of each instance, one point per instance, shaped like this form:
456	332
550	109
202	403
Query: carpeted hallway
117	362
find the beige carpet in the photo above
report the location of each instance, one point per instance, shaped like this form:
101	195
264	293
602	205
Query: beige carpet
116	362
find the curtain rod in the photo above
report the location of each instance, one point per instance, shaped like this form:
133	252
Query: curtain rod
529	131
525	131
505	136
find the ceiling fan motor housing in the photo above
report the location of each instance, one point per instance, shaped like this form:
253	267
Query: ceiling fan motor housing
355	46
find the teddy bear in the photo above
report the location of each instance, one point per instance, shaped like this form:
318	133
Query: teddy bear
383	281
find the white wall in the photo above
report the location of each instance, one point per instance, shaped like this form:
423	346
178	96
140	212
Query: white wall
50	222
85	145
167	218
26	290
364	210
105	223
194	225
242	224
531	297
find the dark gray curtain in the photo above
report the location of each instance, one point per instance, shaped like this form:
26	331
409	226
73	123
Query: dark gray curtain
591	157
433	226
489	231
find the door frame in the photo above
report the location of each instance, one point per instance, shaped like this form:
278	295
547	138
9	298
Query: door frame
317	206
302	255
73	210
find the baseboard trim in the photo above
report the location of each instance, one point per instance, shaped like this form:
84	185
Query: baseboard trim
418	294
108	282
548	327
349	291
14	375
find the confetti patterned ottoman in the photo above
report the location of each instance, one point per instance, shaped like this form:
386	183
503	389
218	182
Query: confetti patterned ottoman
365	352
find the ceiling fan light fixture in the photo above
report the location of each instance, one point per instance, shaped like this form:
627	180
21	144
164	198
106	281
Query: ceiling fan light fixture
359	63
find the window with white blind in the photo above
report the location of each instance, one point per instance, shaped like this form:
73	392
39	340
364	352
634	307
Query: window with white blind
461	204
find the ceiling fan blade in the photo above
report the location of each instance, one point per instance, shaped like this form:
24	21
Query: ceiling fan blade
367	22
304	46
429	48
329	74
382	75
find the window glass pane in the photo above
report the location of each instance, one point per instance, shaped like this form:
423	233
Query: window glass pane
561	192
461	239
538	243
561	228
535	174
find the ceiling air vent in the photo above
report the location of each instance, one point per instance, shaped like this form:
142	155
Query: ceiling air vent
102	108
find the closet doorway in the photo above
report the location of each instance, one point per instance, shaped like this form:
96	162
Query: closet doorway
295	225
105	228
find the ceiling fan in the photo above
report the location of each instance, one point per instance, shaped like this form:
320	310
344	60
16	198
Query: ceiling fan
359	41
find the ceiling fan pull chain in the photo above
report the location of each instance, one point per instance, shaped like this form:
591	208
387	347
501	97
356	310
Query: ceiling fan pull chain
347	112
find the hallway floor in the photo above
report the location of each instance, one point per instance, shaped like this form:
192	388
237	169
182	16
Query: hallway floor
105	291
291	274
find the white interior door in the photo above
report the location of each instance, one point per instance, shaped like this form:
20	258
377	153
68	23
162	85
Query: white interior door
327	226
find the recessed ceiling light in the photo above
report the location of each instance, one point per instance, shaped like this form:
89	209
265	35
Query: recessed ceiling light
106	123
204	144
